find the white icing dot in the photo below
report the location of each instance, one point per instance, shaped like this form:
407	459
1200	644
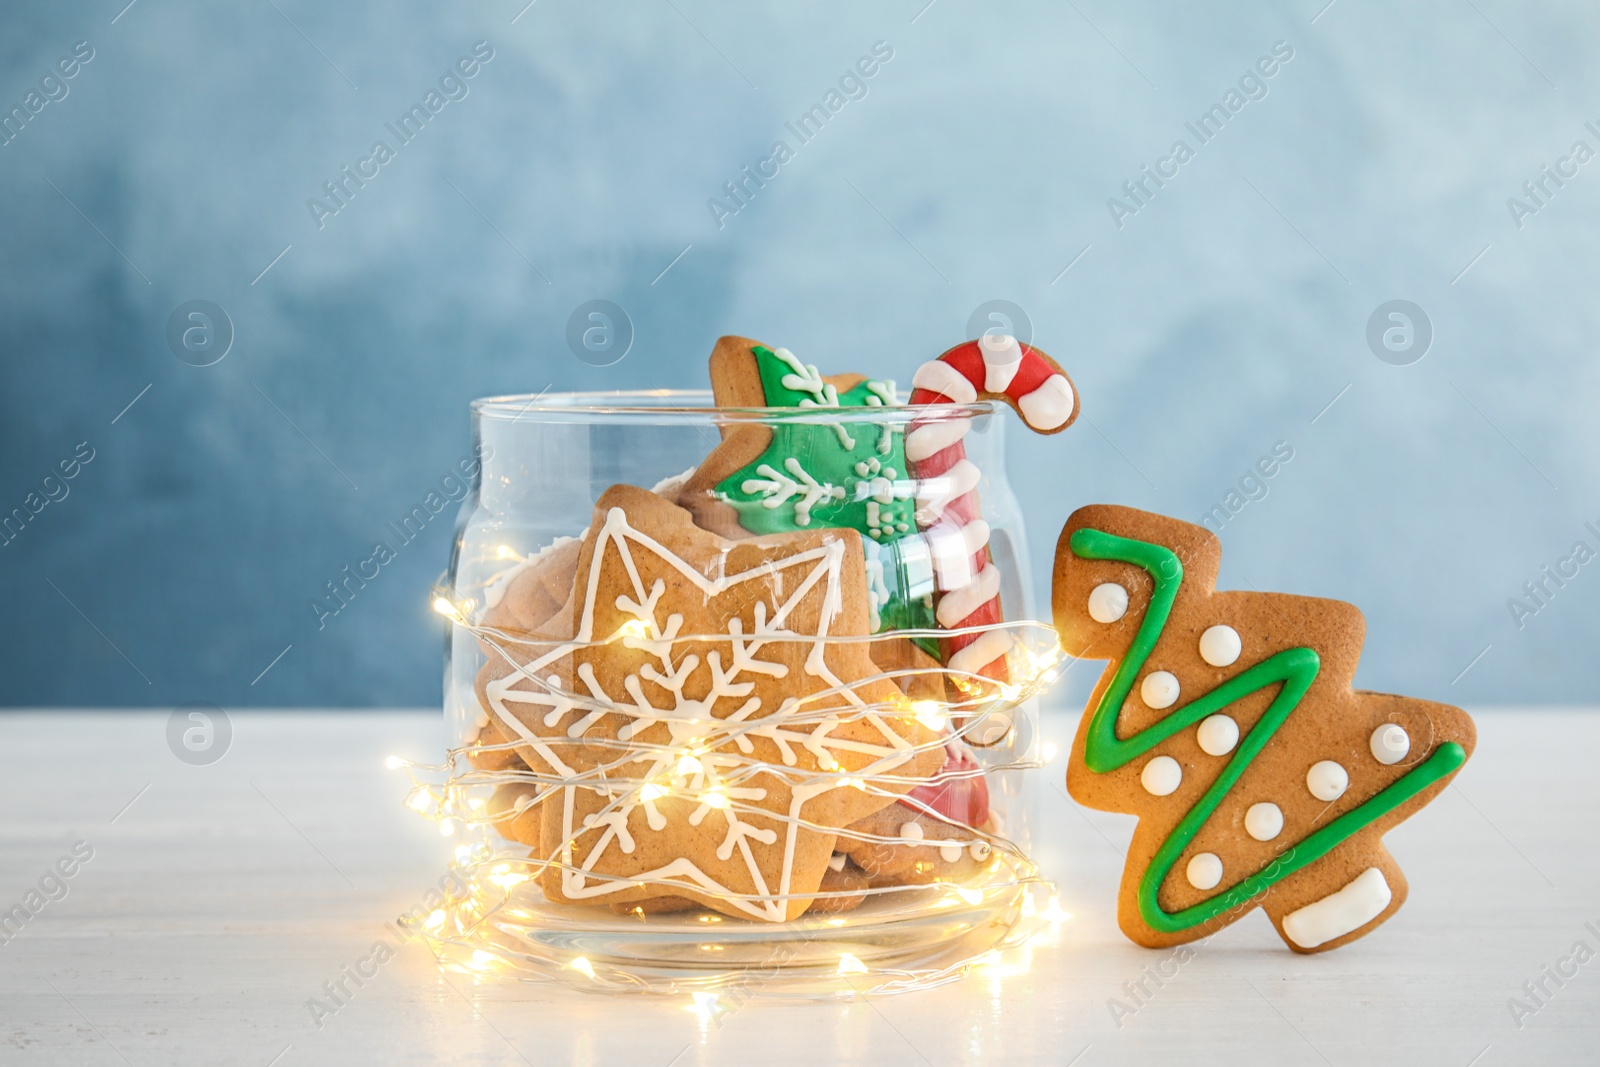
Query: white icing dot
1159	689
1263	821
1161	776
1327	780
979	850
1390	743
950	852
1217	735
1108	602
1220	645
1204	870
910	831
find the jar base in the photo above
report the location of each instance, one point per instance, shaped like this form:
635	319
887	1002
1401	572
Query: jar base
910	938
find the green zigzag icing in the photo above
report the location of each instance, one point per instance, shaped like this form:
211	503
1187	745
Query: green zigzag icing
1294	669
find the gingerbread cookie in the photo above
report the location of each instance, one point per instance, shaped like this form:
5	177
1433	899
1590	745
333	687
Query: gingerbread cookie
1227	723
844	886
995	367
801	475
513	808
524	598
708	723
935	833
492	750
519	603
790	476
754	483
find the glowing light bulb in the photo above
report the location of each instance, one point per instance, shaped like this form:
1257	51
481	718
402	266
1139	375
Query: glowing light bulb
1047	751
420	800
504	552
447	827
434	920
481	960
849	964
445	608
688	764
714	799
582	965
1053	912
634	628
971	896
928	713
704	1005
507	880
394	763
650	791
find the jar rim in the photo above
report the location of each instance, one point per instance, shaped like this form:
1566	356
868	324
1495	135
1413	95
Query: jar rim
631	404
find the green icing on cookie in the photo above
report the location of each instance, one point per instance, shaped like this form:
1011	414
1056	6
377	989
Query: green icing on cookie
1288	674
842	476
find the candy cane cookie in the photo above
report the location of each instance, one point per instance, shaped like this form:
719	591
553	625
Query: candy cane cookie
967	596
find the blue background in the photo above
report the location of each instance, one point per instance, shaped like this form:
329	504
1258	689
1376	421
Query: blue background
1221	318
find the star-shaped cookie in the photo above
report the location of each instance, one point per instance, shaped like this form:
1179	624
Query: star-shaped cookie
714	709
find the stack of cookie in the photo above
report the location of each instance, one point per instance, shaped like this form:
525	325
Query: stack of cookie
724	692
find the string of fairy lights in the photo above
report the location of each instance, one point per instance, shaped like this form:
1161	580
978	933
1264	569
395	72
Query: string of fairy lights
490	921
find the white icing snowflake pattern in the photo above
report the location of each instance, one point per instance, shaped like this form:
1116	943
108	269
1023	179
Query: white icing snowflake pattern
703	748
776	489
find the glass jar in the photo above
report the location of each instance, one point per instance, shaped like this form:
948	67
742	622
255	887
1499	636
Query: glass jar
663	737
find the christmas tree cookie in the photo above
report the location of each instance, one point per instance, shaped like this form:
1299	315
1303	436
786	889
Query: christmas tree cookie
1228	724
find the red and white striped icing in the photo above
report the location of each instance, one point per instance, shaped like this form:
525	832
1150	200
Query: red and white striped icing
994	367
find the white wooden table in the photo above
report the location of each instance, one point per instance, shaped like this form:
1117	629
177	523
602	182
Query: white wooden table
222	897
